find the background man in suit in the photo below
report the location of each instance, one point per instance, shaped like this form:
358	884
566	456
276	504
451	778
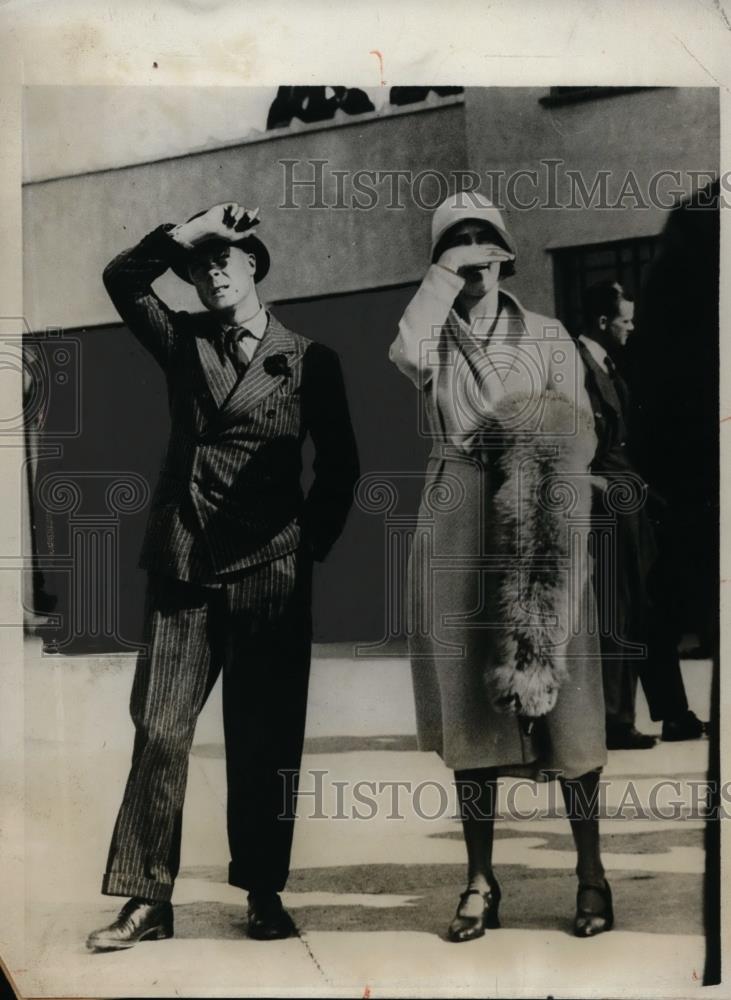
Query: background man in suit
228	549
631	584
622	558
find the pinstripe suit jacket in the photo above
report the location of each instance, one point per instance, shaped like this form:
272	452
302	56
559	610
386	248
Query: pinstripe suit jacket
229	494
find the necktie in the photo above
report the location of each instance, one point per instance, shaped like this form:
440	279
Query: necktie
234	347
611	367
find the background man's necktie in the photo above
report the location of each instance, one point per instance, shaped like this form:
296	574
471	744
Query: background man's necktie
619	383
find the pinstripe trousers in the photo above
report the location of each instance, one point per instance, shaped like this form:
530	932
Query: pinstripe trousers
256	628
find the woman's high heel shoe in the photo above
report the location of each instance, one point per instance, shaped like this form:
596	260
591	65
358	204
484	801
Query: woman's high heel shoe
588	922
464	928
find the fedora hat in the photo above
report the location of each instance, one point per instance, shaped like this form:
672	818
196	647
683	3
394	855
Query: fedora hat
249	244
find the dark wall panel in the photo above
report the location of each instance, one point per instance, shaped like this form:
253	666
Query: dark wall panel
90	503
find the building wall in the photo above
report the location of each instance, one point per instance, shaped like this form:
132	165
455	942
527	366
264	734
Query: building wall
320	251
314	251
508	129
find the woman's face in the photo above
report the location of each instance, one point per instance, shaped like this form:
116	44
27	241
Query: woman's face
480	278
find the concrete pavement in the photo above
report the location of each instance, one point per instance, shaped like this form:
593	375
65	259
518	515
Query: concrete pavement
371	896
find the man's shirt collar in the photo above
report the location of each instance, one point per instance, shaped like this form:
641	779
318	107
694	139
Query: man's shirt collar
256	325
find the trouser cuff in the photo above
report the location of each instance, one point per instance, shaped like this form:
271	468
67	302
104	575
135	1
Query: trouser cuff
122	884
255	882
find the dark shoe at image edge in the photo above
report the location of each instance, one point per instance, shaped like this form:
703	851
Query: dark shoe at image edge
688	727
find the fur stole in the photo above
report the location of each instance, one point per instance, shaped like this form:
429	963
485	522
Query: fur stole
548	446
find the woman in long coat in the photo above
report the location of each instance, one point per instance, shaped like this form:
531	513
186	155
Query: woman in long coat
505	660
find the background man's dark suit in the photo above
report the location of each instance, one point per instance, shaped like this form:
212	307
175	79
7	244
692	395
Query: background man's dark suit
620	575
228	547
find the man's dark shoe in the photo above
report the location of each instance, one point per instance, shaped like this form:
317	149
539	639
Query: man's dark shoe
268	920
687	727
626	737
138	920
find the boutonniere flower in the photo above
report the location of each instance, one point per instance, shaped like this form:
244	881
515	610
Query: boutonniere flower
277	364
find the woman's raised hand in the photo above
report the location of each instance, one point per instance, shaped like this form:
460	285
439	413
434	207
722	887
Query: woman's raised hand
472	255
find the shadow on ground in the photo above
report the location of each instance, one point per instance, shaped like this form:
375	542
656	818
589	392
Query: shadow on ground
327	744
660	903
658	841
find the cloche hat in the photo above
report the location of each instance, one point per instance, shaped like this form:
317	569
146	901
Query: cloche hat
468	205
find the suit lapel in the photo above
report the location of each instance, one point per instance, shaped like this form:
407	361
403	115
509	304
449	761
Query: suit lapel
602	382
258	382
220	375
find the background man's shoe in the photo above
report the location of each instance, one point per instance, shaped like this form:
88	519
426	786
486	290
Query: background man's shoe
138	920
626	737
687	727
268	920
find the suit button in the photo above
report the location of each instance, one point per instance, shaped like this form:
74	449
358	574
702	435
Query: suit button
622	444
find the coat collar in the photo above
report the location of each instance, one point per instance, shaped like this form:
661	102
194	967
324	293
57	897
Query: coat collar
512	323
234	396
479	352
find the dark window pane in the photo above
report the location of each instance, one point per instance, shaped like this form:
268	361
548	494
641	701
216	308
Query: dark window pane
577	268
601	258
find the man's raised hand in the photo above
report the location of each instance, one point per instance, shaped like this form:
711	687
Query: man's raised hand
227	221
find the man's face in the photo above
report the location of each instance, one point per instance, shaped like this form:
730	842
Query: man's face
622	325
222	274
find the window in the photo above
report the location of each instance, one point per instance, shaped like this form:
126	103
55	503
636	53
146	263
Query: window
577	268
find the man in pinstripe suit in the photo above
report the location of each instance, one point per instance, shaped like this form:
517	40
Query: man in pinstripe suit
228	550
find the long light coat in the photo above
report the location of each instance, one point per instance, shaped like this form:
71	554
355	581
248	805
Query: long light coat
466	378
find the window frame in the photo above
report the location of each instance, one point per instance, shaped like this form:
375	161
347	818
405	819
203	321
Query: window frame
576	256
